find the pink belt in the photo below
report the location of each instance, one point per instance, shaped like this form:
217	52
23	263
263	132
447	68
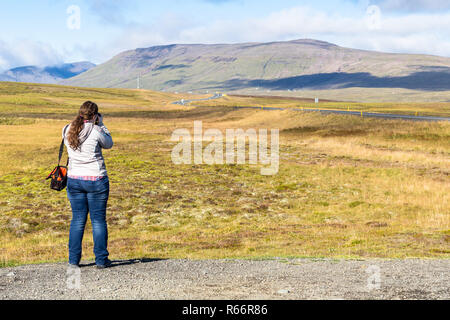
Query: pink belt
86	178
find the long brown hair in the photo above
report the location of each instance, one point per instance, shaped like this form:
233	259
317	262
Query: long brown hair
88	111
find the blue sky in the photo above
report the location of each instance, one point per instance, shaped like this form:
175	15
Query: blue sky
37	32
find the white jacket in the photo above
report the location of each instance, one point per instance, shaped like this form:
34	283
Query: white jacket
88	160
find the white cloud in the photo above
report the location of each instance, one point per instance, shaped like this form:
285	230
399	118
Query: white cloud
26	52
167	29
409	33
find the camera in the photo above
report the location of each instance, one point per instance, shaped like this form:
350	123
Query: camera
98	117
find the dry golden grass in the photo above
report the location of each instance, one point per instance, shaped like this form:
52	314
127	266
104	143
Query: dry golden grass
347	187
408	108
367	95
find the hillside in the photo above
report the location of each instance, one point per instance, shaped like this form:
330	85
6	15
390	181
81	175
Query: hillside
289	65
49	74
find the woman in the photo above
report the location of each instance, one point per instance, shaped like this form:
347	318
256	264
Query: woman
88	183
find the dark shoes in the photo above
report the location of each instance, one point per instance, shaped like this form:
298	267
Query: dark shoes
106	265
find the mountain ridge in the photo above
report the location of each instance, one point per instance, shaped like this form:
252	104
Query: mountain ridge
179	67
48	74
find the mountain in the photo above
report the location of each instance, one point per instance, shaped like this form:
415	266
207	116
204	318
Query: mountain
49	74
297	64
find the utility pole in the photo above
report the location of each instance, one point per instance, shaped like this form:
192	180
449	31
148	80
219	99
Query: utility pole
139	81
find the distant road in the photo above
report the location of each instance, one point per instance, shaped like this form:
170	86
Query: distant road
186	101
326	111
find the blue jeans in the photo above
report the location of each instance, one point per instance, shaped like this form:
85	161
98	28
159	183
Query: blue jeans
89	196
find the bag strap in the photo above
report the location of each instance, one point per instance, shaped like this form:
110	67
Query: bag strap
61	147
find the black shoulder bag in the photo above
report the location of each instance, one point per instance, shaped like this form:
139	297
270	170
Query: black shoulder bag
58	175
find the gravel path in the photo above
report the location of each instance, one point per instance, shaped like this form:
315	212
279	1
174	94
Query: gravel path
232	279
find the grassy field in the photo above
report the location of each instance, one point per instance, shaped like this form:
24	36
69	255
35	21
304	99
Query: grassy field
416	108
347	186
358	94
